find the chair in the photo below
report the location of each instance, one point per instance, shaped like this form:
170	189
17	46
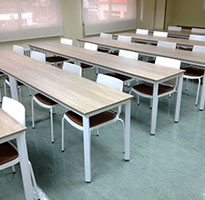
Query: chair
142	31
72	68
92	47
8	152
124	78
160	34
40	99
197	37
55	60
167	88
198	30
192	73
101	119
106	36
170	45
174	28
19	50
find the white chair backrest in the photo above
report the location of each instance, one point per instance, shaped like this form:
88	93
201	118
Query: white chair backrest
124	38
90	46
160	34
170	45
128	54
41	57
142	31
197	30
199	49
196	37
168	62
73	68
174	28
18	49
14	108
110	82
106	35
66	41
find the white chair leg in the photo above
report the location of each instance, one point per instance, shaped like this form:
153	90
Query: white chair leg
0	95
197	94
62	135
34	181
19	91
98	133
51	118
5	89
13	169
29	90
123	127
138	100
150	104
32	113
186	88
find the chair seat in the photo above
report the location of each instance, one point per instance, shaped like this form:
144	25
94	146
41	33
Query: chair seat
45	100
148	89
94	120
19	83
84	66
7	153
54	59
194	72
103	49
119	76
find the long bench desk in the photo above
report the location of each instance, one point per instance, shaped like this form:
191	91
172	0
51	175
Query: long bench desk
154	39
78	94
154	74
185	56
11	129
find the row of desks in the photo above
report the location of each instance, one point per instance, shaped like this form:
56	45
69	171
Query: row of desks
79	94
185	56
154	39
140	70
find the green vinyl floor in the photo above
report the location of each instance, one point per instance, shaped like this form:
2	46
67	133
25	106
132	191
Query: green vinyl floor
167	166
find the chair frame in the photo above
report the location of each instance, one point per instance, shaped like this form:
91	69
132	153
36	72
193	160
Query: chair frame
106	81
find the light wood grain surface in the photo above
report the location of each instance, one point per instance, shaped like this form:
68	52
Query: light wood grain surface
127	66
182	55
8	125
178	41
80	94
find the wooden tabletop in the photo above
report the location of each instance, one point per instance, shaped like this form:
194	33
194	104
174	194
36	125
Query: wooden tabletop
8	125
178	41
126	66
80	94
187	56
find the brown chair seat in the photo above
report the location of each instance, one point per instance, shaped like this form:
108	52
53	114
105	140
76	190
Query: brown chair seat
19	83
84	66
119	76
103	49
45	100
191	71
54	59
148	89
94	120
7	153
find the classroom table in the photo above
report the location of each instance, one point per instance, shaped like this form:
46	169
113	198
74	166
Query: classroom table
11	129
154	39
78	94
189	57
148	72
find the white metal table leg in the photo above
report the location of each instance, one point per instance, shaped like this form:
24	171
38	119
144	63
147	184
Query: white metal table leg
178	101
87	148
25	170
202	100
154	108
127	129
14	88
